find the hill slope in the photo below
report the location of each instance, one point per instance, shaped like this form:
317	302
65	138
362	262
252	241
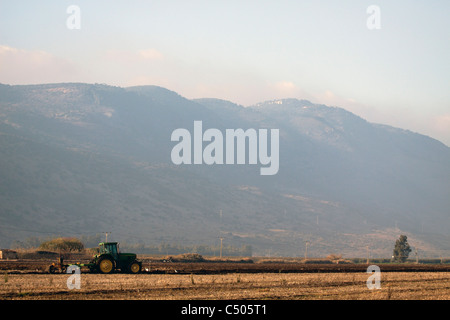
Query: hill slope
80	159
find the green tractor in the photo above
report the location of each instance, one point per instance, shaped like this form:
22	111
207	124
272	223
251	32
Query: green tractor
107	260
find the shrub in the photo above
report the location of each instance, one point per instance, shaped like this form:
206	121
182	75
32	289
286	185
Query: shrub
63	244
187	257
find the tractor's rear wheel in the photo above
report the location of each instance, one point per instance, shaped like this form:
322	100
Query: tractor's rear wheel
105	265
134	267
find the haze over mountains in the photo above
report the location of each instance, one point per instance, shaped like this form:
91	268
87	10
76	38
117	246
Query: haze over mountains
80	159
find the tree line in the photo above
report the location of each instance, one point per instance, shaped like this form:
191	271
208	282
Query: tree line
72	244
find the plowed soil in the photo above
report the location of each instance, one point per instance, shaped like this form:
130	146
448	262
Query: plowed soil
28	280
40	266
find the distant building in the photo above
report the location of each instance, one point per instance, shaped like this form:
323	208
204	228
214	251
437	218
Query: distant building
8	254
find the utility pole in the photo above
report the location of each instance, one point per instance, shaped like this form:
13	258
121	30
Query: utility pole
221	239
220	230
106	236
220	220
306	250
367	254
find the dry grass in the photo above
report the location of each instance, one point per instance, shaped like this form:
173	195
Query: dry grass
309	286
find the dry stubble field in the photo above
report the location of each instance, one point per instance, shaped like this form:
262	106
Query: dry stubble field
287	286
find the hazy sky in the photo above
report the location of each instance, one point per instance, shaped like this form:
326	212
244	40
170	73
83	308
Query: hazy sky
245	52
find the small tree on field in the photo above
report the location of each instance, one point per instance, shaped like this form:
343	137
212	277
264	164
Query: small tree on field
401	249
63	244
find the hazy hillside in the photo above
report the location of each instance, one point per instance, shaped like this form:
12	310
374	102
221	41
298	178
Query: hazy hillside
80	159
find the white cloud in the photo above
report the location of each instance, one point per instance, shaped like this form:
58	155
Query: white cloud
19	66
133	57
150	54
443	123
286	88
442	128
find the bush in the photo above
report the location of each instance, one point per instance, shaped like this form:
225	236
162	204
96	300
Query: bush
186	257
63	244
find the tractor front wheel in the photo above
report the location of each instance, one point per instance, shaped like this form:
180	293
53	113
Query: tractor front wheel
51	269
106	265
134	267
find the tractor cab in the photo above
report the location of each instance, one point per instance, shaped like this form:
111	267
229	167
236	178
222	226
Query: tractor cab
109	248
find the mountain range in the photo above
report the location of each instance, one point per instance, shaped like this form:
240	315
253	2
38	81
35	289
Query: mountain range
78	159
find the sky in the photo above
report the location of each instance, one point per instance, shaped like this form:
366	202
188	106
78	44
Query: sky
389	66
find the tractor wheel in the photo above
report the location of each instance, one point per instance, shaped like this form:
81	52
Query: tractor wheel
51	269
134	267
105	265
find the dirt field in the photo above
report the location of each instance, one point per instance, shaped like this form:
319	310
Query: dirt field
336	286
219	281
158	267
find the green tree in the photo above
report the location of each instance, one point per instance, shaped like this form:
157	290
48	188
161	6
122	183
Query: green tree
63	244
401	249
